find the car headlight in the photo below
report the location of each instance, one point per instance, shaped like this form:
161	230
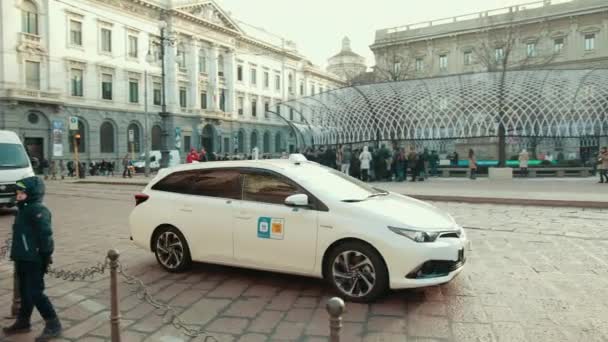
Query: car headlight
415	235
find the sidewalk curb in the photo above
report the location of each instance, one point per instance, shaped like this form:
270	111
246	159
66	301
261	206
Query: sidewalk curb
111	183
512	201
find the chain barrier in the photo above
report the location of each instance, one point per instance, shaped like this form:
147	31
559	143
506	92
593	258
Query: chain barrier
169	314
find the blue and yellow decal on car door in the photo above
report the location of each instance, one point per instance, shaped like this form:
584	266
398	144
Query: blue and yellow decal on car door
271	228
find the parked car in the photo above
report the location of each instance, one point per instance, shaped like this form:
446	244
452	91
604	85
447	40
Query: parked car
155	157
296	216
14	165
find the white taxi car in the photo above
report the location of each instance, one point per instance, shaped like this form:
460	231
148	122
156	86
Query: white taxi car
295	216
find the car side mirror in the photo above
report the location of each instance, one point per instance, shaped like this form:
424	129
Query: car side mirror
35	162
298	200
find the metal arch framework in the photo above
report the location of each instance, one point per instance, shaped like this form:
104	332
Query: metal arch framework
536	103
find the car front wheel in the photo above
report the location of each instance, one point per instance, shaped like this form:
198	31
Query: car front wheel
357	272
171	250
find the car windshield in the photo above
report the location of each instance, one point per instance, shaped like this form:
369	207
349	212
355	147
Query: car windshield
339	185
13	156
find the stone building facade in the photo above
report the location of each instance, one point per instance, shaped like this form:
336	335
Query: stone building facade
99	61
347	64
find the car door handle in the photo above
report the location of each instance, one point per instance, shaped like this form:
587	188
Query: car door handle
186	209
242	217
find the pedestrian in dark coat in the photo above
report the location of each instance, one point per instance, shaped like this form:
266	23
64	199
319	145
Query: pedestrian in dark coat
32	251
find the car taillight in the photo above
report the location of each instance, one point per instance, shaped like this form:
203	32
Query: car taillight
140	198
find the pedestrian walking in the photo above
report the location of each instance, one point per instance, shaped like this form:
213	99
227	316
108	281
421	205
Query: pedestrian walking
345	160
421	167
365	157
53	170
45	168
524	157
202	157
472	165
70	169
603	165
192	156
434	163
32	251
426	160
62	169
412	161
355	164
401	165
126	163
111	167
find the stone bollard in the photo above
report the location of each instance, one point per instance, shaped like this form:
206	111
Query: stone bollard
113	255
335	308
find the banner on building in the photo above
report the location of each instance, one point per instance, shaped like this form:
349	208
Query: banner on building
58	138
178	138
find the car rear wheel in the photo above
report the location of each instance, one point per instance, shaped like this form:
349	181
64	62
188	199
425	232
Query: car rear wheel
357	272
171	250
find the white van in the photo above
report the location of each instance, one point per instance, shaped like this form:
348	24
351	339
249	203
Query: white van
155	156
14	165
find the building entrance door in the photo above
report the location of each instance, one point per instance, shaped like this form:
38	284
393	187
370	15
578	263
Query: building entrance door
35	148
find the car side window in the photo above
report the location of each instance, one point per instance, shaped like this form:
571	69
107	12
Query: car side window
212	183
267	188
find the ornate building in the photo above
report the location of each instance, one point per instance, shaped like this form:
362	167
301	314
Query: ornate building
347	64
99	61
544	34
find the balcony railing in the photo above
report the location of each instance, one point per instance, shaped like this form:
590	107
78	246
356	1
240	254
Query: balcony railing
33	94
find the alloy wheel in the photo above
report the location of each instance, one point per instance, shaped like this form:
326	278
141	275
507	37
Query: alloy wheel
170	250
354	273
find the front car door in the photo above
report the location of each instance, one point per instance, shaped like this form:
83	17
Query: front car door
269	234
204	211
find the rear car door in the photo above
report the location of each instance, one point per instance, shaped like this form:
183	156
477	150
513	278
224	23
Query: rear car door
204	211
269	234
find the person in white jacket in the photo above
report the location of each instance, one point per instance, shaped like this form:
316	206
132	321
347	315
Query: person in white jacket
365	157
524	157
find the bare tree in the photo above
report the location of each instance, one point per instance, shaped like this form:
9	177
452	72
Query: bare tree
497	52
396	63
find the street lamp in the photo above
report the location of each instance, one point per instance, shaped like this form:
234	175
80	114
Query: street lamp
166	117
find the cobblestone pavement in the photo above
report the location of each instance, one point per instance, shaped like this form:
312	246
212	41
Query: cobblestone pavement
533	274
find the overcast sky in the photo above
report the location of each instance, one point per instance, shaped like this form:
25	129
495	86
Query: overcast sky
318	26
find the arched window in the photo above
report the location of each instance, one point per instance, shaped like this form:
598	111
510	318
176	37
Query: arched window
29	17
82	141
106	137
241	138
266	142
134	146
278	144
156	136
254	140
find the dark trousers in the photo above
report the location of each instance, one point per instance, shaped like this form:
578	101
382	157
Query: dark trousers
473	173
364	175
415	172
126	172
31	289
603	176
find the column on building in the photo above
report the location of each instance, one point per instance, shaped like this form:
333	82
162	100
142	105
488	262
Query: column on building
171	84
213	90
193	74
230	76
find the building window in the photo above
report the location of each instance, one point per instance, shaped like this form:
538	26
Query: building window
106	86
301	88
76	82
203	100
468	57
531	49
106	40
277	82
254	76
290	83
75	33
181	56
239	73
32	75
133	91
106	137
202	61
223	100
132	46
220	66
558	45
157	94
419	64
266	80
589	42
187	143
254	107
29	17
291	114
156	137
182	97
278	144
443	62
240	102
499	54
278	110
266	109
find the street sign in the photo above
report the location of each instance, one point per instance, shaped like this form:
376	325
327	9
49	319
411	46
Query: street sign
73	123
131	136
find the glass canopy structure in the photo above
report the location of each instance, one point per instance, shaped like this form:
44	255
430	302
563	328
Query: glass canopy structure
530	103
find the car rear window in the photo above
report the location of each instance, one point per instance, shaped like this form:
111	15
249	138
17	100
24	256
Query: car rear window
212	183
